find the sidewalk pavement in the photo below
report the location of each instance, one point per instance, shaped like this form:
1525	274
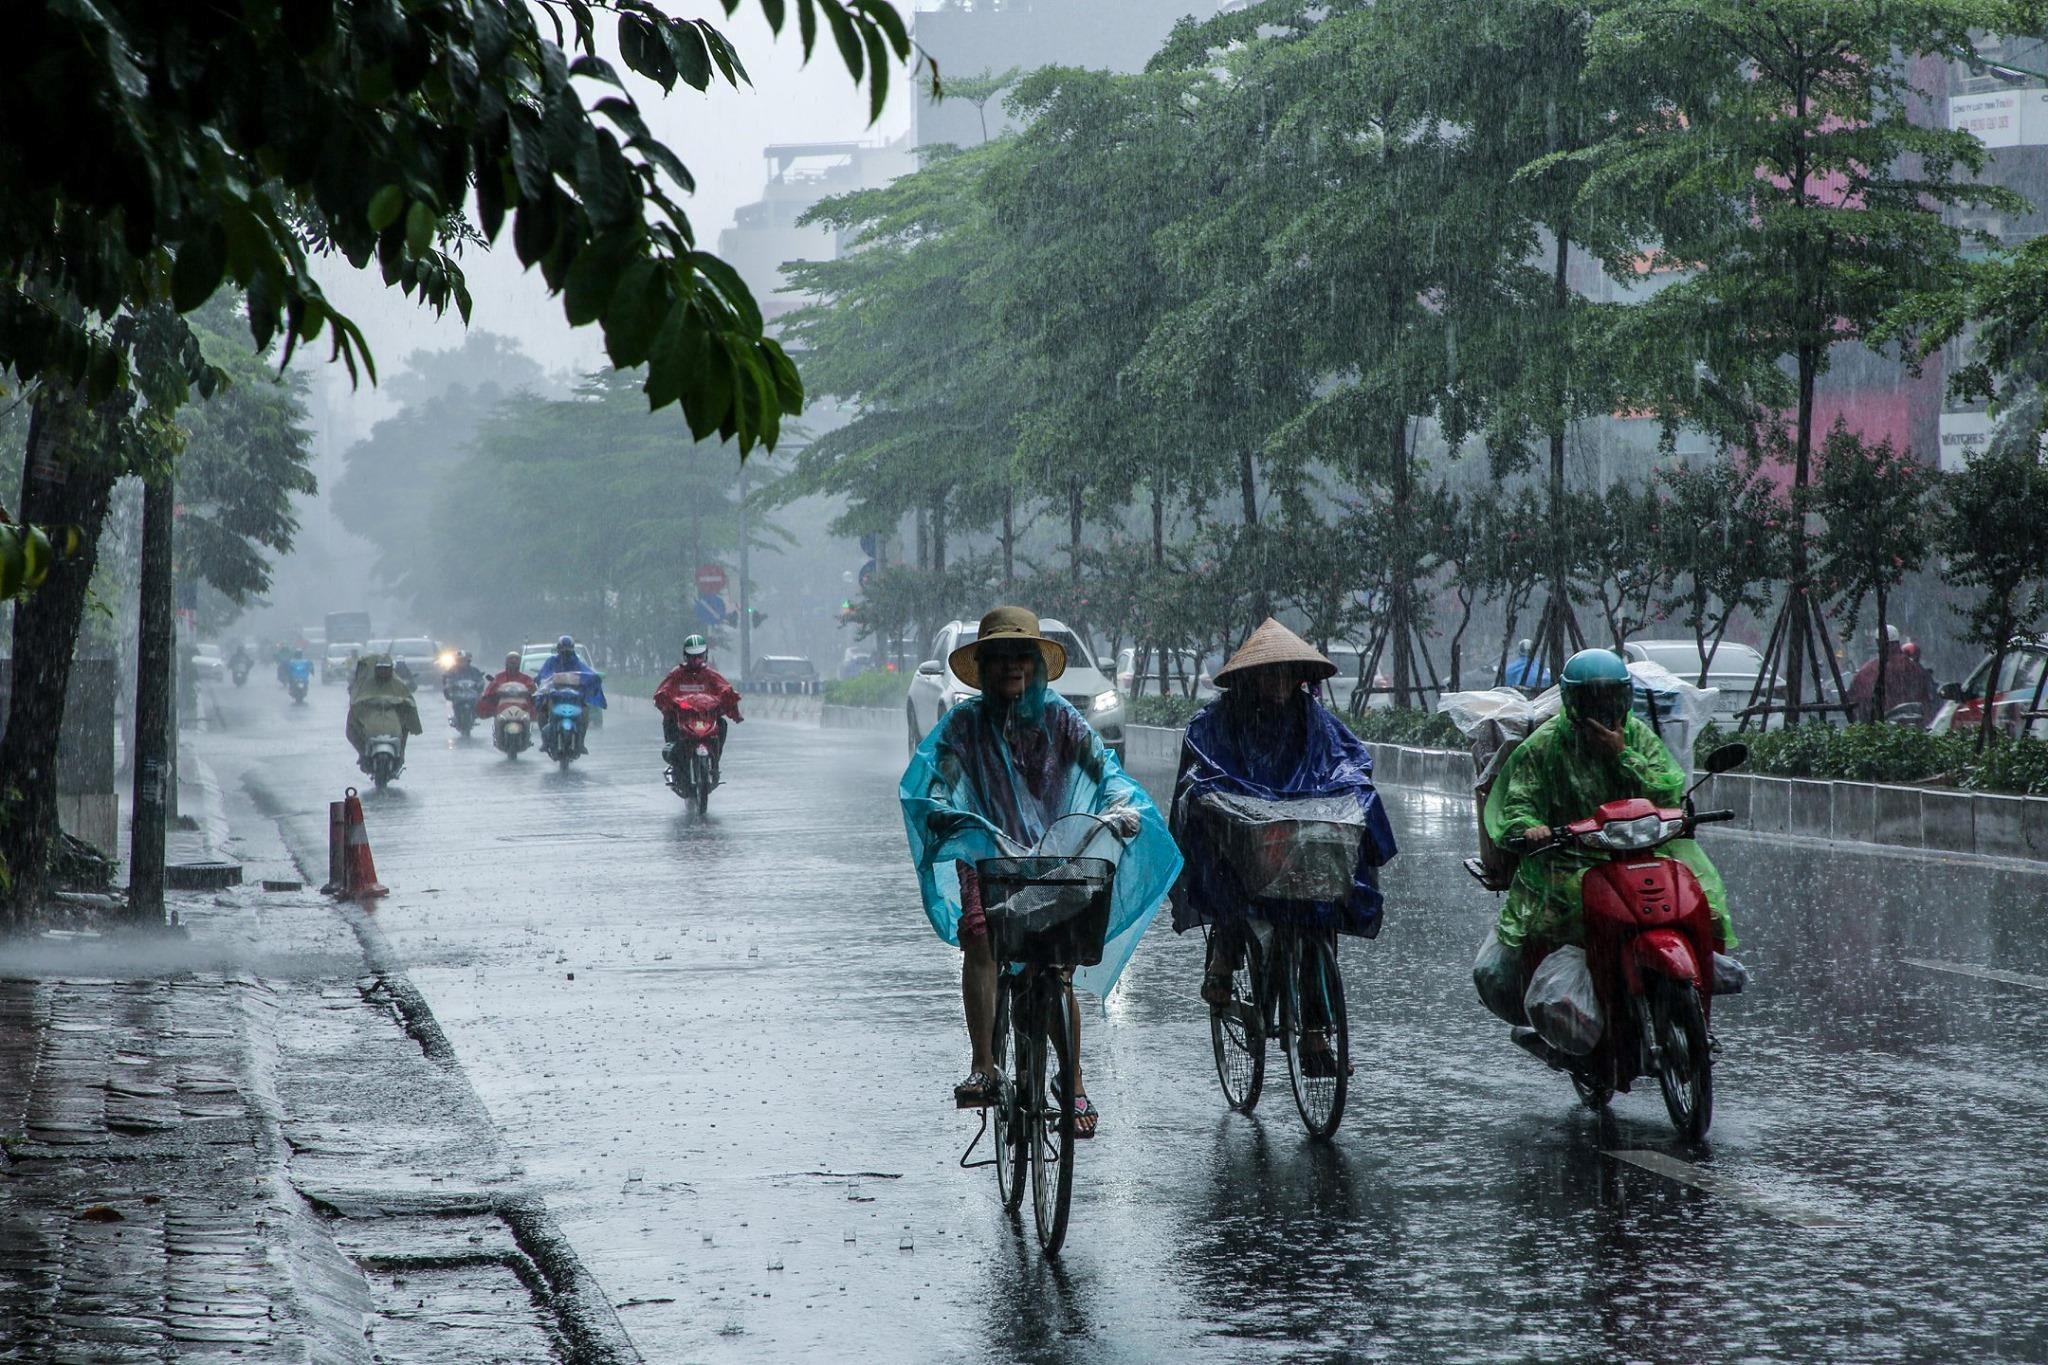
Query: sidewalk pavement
250	1140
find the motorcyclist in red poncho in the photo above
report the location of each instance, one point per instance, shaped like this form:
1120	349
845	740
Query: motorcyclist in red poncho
695	676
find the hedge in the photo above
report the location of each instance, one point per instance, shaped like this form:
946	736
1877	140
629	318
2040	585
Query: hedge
876	687
1892	754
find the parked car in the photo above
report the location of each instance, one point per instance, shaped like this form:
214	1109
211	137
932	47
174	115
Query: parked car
1183	668
339	663
209	664
855	661
934	686
1340	690
1734	672
783	673
2012	703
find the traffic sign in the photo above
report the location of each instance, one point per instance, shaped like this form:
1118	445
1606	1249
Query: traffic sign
711	609
710	579
869	543
867	571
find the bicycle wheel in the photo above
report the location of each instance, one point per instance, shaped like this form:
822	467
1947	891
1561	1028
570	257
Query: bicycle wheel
1010	1156
1050	1126
1686	1070
1237	1033
1314	992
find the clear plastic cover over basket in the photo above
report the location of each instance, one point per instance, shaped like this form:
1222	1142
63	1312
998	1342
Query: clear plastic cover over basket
1298	849
1050	910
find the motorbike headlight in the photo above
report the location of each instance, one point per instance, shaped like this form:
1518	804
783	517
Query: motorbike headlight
1645	831
445	659
1105	701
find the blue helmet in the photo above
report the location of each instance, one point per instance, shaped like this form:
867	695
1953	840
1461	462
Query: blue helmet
1596	686
565	645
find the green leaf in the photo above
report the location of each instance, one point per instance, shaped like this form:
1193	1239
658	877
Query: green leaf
642	49
878	71
385	206
637	306
197	271
419	229
773	10
686	45
728	283
807	25
846	36
592	277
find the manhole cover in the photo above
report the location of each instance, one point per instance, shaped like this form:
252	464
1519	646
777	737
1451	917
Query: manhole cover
202	876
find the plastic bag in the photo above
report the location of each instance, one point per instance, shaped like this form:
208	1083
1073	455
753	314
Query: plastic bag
1497	975
1673	707
1730	976
1494	721
1561	1003
1299	849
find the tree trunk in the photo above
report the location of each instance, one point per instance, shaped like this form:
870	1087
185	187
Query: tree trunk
924	544
46	626
1553	645
155	777
1984	722
1009	537
939	532
1881	700
1158	523
1074	529
1248	486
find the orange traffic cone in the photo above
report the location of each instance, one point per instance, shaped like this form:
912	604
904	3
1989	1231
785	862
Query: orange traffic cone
362	883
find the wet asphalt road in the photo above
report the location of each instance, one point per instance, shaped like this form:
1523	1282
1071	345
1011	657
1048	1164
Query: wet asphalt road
725	1050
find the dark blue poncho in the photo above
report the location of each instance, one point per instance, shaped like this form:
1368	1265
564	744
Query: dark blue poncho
1298	752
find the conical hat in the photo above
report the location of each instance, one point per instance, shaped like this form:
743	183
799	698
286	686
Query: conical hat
1273	643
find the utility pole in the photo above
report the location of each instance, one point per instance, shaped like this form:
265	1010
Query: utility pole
154	775
746	612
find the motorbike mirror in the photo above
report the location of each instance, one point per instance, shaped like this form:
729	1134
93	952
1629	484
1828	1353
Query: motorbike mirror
930	668
1727	757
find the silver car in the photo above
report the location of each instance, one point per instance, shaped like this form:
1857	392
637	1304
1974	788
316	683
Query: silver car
934	686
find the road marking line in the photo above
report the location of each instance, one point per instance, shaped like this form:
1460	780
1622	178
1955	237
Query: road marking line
2039	983
1685	1173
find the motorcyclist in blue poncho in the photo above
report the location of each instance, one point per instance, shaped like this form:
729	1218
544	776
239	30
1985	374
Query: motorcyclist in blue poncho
1268	738
988	781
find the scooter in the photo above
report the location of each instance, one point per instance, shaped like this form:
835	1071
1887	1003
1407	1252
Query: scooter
512	719
239	666
562	713
689	755
384	756
1650	950
462	698
299	674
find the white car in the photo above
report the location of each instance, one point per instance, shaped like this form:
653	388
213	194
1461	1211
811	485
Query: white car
934	686
1342	688
1186	675
208	665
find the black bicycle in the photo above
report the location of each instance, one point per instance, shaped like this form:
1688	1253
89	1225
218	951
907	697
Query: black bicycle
1285	983
1047	915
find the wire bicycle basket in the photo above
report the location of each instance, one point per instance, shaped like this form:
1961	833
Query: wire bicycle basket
1047	911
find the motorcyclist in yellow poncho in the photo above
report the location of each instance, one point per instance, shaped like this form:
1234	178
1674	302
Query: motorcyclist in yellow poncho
379	703
1594	751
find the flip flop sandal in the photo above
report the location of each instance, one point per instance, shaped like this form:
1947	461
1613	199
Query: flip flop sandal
1216	991
1086	1115
978	1091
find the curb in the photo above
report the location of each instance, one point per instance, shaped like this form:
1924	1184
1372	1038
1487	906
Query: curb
589	1326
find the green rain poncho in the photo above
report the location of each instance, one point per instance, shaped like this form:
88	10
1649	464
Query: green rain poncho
1554	778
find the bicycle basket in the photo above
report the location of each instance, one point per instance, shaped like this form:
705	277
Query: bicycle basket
1303	849
1052	912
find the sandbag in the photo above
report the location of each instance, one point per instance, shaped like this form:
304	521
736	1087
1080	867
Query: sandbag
1497	975
1561	1003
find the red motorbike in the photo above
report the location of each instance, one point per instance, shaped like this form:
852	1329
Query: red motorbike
690	754
1650	951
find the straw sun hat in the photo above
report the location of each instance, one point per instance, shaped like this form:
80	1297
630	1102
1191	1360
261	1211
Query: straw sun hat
1005	624
1273	643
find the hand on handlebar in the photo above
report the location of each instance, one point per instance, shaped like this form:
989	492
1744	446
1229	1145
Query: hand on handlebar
1536	836
1122	821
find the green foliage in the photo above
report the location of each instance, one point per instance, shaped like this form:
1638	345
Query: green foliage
877	687
236	143
585	514
1724	530
1873	499
1893	754
1994	537
1406	725
1172	711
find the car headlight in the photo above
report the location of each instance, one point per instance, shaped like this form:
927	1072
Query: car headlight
1105	701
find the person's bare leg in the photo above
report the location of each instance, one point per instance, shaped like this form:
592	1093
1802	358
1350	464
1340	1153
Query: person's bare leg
978	1000
1085	1122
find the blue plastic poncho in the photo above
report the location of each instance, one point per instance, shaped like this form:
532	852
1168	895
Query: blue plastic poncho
996	778
591	684
1298	752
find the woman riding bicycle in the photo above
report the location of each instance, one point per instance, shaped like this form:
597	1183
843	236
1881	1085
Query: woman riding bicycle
1268	738
990	778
